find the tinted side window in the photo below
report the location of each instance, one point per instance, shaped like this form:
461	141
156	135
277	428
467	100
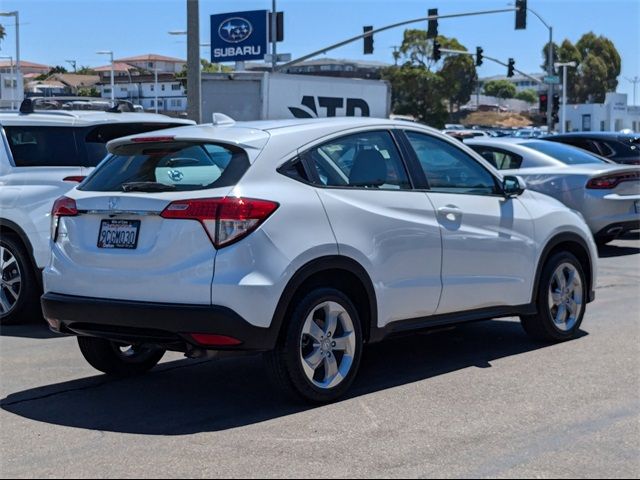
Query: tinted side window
361	160
449	169
500	159
294	169
43	146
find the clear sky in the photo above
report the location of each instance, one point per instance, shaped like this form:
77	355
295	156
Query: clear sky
53	31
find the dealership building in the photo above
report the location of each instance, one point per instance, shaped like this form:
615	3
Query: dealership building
613	115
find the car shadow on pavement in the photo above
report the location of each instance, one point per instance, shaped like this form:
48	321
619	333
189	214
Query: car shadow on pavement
610	251
187	397
37	329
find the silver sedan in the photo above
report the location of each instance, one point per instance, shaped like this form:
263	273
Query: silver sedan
606	194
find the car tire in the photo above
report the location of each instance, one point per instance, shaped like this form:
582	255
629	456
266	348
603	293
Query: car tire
340	350
561	300
19	289
109	357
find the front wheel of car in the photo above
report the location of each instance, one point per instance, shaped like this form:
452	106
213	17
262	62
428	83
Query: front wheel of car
318	356
19	289
119	359
561	301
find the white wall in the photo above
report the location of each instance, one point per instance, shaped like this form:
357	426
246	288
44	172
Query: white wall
613	115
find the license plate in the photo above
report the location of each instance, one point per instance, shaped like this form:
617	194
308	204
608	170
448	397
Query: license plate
119	234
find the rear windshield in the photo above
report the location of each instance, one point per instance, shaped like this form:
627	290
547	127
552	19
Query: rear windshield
564	153
175	166
39	146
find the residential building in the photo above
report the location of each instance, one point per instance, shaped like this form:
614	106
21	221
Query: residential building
145	80
62	84
613	115
12	87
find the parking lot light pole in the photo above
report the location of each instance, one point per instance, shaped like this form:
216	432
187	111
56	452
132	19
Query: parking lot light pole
113	88
16	14
563	117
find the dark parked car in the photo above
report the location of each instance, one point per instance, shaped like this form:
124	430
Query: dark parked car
619	147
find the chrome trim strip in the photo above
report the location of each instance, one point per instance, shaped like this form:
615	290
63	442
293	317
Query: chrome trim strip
119	212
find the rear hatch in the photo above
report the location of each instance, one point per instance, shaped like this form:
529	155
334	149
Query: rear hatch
122	235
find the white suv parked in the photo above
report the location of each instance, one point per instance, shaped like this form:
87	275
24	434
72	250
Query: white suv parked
44	154
304	239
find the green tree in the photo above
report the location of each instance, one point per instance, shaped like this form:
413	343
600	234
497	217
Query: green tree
422	87
599	66
3	32
84	70
500	88
458	74
88	92
529	95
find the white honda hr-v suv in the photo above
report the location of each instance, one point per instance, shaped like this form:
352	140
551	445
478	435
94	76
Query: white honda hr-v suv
305	239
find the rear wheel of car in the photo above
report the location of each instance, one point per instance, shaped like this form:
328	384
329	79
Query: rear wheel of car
19	289
318	356
561	302
114	358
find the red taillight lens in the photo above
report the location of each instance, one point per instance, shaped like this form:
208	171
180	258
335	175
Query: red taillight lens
152	139
74	178
62	207
612	181
210	340
226	220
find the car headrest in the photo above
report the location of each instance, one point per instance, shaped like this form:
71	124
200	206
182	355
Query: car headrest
369	169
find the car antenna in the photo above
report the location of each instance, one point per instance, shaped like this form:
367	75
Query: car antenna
27	107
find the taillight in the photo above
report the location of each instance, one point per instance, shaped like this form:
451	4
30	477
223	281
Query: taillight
608	182
74	178
226	220
62	207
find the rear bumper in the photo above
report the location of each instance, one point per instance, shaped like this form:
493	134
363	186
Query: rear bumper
617	229
163	324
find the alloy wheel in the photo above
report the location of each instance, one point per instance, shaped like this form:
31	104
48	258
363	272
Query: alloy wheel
328	345
10	281
565	297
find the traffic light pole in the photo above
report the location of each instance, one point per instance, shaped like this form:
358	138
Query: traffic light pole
389	27
495	60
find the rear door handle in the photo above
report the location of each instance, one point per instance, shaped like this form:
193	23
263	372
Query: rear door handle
450	212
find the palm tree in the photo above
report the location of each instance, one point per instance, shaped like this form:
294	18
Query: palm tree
2	32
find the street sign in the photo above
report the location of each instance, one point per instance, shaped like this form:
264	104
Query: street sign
552	80
282	57
239	36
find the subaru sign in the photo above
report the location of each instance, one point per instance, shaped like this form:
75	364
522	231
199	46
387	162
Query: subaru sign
239	36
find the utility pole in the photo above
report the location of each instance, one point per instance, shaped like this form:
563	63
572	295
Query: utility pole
274	38
194	87
635	80
20	85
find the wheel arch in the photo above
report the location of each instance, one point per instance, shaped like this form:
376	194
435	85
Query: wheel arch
574	244
342	273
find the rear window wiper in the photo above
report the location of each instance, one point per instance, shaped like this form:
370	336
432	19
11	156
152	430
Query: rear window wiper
147	187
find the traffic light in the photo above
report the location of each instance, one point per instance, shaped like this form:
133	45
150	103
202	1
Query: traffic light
436	55
368	40
543	102
432	31
511	67
521	14
556	104
279	27
479	51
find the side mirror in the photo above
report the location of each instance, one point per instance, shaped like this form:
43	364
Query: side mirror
513	186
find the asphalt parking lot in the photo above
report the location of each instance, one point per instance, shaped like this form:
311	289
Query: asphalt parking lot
479	401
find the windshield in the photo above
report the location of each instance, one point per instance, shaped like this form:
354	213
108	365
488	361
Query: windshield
564	153
176	166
